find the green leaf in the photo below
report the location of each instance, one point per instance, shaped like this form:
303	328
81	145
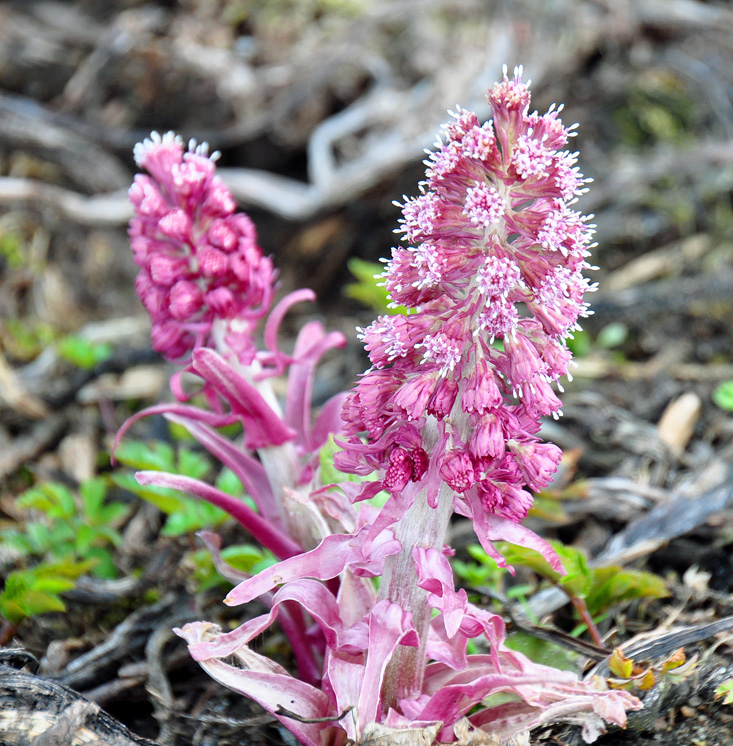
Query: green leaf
93	493
367	290
82	352
55	500
723	396
61	537
579	344
17	541
30	604
192	464
614	584
39	537
34	591
140	455
193	516
52	584
112	514
164	498
66	569
109	535
612	335
104	564
248	558
548	509
85	537
229	482
543	651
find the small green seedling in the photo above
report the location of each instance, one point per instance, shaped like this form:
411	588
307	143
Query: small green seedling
82	352
70	528
36	590
723	396
184	514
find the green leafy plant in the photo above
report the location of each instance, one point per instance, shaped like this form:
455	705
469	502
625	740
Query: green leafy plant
83	352
184	514
36	590
71	528
592	591
723	396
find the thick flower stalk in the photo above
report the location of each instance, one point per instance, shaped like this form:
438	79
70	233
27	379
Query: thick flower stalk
448	418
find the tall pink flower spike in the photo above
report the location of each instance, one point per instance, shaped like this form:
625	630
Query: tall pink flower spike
451	409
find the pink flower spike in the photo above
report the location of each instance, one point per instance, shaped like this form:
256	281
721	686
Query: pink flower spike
185	230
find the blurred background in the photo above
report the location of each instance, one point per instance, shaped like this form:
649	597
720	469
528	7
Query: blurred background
322	109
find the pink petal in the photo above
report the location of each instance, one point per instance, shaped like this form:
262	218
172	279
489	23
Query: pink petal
434	574
214	419
389	626
269	685
262	426
310	346
279	544
272	327
324	562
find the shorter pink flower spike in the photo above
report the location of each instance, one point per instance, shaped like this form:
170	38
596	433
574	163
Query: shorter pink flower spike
199	259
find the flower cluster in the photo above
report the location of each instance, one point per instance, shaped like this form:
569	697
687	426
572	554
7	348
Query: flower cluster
448	417
493	276
206	286
199	259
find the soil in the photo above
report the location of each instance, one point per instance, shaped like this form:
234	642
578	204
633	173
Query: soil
274	85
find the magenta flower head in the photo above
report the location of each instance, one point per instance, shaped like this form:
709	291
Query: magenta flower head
199	259
493	280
